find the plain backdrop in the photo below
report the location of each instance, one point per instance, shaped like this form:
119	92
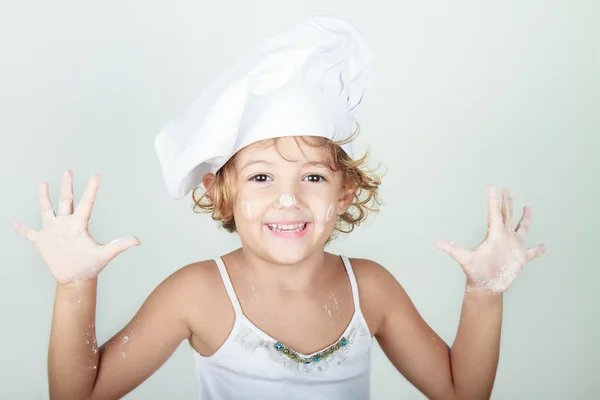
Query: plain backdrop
463	93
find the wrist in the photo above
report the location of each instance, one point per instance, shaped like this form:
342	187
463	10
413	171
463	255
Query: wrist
482	294
77	286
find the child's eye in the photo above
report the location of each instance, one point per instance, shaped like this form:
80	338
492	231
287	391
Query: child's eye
260	178
315	178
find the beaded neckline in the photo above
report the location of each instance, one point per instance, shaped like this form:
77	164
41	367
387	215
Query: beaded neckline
317	363
294	356
299	356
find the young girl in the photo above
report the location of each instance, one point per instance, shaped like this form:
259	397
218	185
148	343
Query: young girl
271	141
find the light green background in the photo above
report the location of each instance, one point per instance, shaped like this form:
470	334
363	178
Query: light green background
463	93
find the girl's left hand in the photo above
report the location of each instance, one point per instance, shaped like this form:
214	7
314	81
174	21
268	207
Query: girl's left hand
495	263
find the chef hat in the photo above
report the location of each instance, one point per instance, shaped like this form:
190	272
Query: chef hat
305	81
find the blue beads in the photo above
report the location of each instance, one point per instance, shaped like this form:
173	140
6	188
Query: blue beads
316	358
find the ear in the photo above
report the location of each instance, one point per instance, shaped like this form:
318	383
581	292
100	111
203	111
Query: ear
208	181
347	196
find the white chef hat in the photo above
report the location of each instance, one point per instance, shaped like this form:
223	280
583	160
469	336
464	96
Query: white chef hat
305	81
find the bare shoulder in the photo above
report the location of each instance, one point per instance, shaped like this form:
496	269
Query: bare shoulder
196	272
379	292
195	282
185	291
372	275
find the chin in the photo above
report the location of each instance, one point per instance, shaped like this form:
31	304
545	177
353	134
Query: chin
292	254
287	255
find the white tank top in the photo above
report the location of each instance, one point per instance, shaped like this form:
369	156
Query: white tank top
253	365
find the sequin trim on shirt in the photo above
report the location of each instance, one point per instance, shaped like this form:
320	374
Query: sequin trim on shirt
335	354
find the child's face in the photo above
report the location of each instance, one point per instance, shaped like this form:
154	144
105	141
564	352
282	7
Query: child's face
286	207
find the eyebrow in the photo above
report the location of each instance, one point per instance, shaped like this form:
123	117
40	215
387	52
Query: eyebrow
252	162
315	163
318	164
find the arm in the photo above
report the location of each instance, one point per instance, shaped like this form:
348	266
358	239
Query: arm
474	355
468	370
78	369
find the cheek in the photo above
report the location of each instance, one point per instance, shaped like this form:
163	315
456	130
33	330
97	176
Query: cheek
252	204
323	209
246	209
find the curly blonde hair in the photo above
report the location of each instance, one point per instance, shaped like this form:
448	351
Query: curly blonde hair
355	177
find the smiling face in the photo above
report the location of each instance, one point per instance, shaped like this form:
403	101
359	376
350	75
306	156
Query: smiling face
287	199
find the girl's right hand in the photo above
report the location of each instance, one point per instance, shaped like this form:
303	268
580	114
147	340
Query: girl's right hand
64	244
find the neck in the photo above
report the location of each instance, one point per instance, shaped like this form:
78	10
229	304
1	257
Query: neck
288	277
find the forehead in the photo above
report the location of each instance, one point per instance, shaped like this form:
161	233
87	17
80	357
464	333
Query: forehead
286	149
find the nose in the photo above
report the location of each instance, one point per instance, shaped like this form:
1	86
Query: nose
287	194
287	200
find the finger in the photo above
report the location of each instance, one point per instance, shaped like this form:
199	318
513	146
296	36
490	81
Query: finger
494	215
507	208
65	199
44	202
85	205
117	246
534	252
24	231
524	223
462	256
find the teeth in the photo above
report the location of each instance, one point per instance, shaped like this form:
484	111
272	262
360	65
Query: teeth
287	228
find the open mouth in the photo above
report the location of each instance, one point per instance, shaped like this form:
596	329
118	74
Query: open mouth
287	228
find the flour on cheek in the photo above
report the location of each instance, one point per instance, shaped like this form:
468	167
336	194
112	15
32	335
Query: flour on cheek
247	209
324	216
253	207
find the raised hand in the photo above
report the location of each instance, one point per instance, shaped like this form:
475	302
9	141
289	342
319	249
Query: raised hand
495	263
64	243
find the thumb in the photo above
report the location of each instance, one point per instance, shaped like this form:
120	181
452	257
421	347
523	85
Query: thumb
535	252
117	246
458	253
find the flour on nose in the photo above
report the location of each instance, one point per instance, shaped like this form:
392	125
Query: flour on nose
287	200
